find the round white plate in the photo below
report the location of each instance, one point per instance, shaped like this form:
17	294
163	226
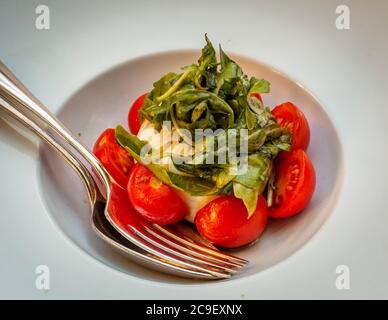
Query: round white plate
345	69
103	103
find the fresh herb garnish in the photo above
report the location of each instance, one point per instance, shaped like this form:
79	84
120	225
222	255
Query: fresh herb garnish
213	95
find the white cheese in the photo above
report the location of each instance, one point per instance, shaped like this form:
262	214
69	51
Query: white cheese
170	140
194	203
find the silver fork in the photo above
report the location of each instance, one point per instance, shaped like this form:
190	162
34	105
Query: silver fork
166	248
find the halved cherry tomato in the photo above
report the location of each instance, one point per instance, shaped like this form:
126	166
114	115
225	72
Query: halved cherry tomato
257	95
290	116
133	115
116	160
224	221
294	184
154	200
121	211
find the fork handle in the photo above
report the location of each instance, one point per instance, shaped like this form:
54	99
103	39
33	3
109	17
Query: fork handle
15	93
66	154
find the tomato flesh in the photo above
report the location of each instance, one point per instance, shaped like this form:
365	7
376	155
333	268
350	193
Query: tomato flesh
121	211
154	200
115	159
134	116
294	184
290	116
224	221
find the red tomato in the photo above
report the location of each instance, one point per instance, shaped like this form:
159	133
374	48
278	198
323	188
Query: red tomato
290	116
224	221
154	200
133	115
258	96
113	157
121	210
294	184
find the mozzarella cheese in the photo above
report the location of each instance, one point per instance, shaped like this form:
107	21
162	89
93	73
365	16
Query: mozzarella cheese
171	145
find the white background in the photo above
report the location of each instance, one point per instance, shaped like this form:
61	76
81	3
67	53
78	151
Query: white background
347	70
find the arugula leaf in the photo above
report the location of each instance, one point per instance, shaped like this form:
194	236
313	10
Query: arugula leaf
257	173
219	174
193	185
134	146
208	58
248	196
229	68
205	77
259	86
199	109
213	95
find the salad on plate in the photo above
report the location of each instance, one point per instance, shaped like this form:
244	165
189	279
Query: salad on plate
203	147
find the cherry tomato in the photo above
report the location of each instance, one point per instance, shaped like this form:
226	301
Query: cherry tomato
258	96
121	210
224	221
133	115
113	157
294	184
154	200
290	116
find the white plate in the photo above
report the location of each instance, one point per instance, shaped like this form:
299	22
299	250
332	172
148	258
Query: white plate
344	70
103	103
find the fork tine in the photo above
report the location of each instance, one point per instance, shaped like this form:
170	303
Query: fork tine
162	242
167	231
148	237
170	259
227	265
124	245
132	235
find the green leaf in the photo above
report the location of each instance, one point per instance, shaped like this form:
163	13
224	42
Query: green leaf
208	58
219	174
250	119
256	139
194	186
194	109
206	74
189	71
229	68
249	197
134	146
191	184
259	86
212	95
257	173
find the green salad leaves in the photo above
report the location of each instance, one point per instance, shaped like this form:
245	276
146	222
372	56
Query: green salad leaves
217	96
